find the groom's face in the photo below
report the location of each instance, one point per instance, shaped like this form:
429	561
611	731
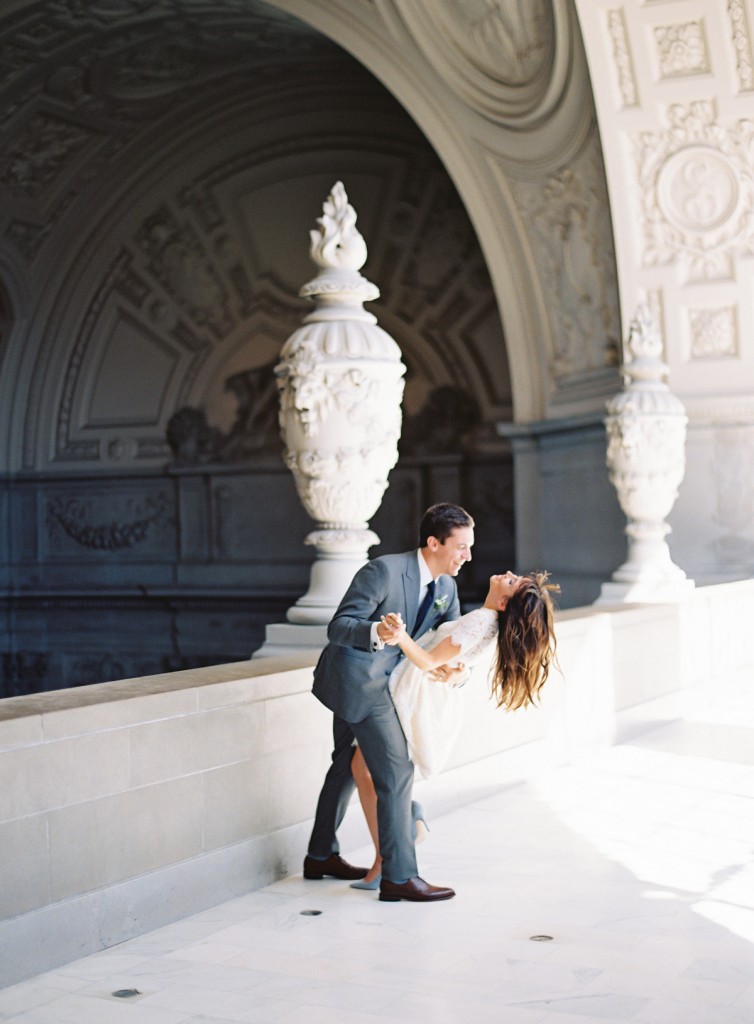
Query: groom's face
449	556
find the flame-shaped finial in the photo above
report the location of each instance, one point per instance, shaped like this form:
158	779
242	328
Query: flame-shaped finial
643	337
337	244
643	356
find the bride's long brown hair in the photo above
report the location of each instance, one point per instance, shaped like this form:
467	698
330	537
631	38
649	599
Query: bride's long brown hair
525	643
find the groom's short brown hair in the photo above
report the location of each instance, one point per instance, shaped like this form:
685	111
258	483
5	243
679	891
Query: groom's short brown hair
440	521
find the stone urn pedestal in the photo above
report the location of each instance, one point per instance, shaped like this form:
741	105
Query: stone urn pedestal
646	433
340	379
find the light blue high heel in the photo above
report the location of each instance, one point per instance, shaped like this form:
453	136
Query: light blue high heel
420	826
374	884
419	829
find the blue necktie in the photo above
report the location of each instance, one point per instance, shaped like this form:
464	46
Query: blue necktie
424	606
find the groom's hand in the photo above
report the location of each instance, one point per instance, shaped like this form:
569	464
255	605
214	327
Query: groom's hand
390	628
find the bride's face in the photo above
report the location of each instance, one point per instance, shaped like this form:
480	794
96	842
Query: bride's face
503	587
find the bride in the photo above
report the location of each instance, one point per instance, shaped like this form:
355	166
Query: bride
518	615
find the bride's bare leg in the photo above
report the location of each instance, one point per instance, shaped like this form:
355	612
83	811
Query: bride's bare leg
368	798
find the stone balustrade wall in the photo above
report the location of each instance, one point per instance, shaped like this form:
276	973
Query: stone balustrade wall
131	804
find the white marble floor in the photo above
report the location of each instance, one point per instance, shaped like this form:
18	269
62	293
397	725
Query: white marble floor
637	862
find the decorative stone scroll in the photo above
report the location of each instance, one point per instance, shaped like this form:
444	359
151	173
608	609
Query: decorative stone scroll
340	379
509	60
646	434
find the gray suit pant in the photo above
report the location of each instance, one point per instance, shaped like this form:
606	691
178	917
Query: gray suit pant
383	745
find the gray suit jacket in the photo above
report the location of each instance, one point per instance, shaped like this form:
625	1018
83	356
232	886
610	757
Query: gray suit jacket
349	676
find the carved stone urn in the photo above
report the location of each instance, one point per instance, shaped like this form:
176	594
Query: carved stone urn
646	434
340	379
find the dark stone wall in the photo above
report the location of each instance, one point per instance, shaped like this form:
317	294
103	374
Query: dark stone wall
108	578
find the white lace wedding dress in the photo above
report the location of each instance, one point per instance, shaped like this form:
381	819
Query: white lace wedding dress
431	712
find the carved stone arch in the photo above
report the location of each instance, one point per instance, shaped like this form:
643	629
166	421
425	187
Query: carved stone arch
180	281
486	162
504	133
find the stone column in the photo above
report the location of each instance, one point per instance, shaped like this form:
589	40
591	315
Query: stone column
340	379
646	432
673	85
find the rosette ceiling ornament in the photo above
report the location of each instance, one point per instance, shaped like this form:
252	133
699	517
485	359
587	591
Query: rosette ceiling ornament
340	379
646	434
500	58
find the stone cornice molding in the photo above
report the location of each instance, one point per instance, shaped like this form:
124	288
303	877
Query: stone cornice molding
719	411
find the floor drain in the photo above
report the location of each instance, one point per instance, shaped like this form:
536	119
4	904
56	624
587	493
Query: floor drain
126	993
310	913
540	938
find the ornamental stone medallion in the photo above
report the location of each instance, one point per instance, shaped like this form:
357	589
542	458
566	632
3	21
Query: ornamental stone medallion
696	187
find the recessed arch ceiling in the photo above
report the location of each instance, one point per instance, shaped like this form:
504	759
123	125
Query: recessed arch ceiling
165	163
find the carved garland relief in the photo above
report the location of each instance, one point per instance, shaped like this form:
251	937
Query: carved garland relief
742	45
616	24
313	390
77	519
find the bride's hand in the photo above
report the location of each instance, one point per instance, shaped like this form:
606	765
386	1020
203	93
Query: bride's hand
453	675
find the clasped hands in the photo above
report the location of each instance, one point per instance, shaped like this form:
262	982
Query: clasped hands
391	629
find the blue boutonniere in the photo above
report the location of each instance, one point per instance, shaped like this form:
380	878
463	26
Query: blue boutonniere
441	603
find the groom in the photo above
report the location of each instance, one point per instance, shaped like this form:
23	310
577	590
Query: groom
351	679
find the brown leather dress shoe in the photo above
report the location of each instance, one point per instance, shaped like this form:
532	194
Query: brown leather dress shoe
416	890
334	866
